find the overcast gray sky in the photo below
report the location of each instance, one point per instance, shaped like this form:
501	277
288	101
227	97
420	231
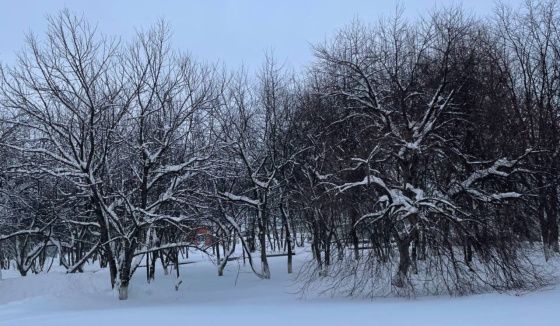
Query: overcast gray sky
234	32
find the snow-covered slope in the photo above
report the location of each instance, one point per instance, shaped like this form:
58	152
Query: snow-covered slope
240	298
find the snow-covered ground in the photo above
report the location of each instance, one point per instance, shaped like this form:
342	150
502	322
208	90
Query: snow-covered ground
240	298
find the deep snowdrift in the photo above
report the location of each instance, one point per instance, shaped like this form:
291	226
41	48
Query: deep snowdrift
240	298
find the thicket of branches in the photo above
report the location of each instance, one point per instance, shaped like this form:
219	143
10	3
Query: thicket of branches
412	156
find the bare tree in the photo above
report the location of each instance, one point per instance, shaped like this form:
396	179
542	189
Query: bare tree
531	45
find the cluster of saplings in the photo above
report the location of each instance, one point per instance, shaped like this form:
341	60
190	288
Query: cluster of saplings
410	157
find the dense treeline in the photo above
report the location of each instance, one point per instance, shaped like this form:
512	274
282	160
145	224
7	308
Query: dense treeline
412	157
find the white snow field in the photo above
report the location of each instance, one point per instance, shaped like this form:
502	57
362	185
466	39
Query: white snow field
240	298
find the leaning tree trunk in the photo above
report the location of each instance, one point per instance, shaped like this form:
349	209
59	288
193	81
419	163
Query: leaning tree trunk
104	237
227	255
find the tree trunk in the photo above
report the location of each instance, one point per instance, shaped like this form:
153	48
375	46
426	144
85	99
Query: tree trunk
404	263
265	271
354	234
548	219
104	236
153	265
125	270
224	261
287	227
